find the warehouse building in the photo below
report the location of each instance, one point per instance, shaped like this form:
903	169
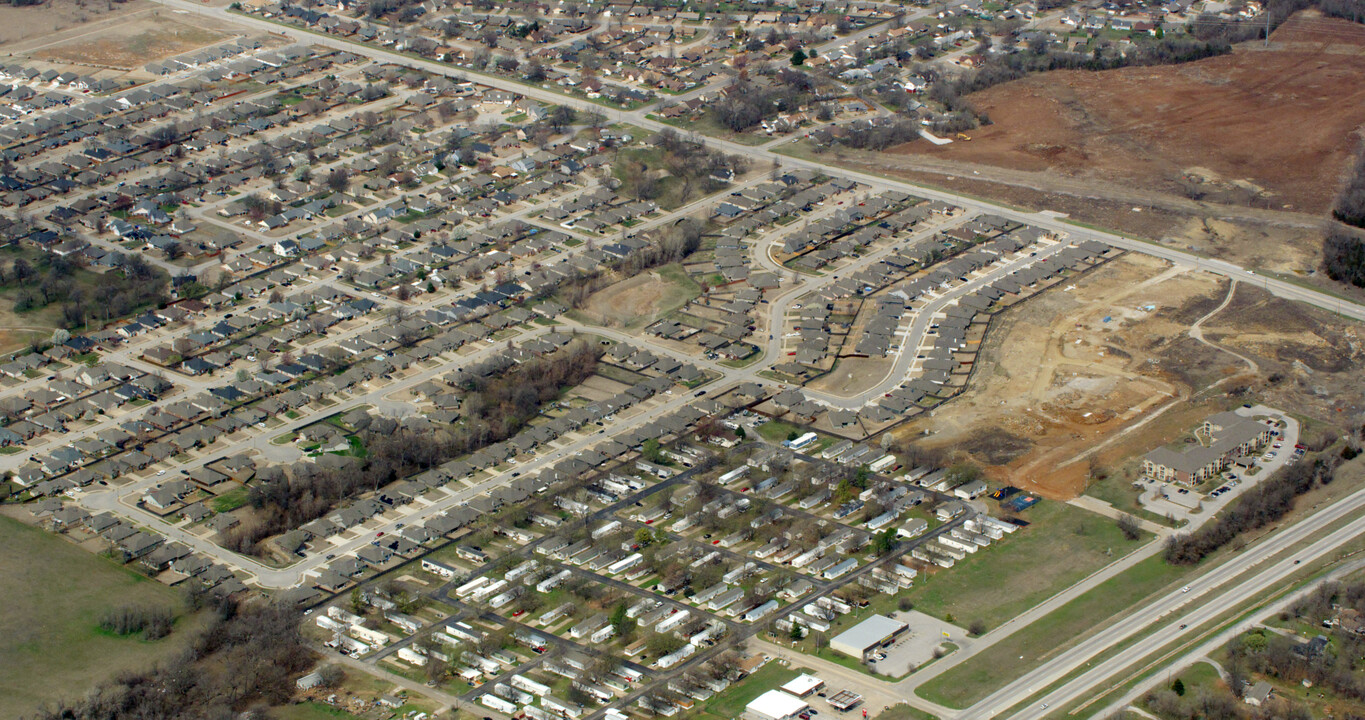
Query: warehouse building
869	635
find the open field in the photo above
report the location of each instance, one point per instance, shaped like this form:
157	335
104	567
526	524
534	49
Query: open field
29	26
1027	648
853	375
731	702
1229	128
53	593
641	300
1062	546
130	45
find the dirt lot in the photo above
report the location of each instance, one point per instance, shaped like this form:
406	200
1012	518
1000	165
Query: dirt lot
1233	125
640	300
1056	380
131	44
24	27
852	376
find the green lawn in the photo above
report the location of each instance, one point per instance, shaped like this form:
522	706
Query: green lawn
1029	647
229	501
53	593
730	704
904	712
1062	545
309	711
777	430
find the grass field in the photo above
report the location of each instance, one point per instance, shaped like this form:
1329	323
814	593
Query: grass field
53	594
1029	647
310	711
730	704
229	501
904	712
1061	546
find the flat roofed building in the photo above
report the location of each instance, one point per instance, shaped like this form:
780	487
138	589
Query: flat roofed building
803	685
867	636
775	705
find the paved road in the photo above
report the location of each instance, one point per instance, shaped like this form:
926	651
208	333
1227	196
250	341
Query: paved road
1181	610
1203	651
1046	220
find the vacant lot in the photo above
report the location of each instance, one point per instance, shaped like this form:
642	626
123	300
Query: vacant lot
130	45
1056	378
1061	546
641	300
853	375
1029	647
33	26
1230	128
53	594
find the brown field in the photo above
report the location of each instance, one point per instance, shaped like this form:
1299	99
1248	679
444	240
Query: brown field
132	44
1234	126
642	299
852	376
35	25
1056	381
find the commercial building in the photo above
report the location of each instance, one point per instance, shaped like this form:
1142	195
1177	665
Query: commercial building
775	705
803	685
867	636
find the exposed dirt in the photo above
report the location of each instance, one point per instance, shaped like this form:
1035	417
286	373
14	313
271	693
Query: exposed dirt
1051	383
852	376
1230	128
130	45
1057	381
40	24
641	299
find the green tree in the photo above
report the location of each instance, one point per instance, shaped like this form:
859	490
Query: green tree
799	57
1178	687
884	542
644	537
357	601
652	452
739	432
797	633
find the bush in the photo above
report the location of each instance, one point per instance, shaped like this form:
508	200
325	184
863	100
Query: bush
153	623
1350	207
1343	256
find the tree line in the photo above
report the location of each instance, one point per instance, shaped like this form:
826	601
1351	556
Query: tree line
248	655
153	622
493	410
668	245
1350	205
1269	501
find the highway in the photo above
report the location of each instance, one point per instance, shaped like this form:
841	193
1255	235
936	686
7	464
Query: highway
1204	602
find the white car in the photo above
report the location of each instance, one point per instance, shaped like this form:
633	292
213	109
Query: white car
159	473
1185	589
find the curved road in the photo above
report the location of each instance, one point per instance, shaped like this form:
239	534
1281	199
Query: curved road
1046	220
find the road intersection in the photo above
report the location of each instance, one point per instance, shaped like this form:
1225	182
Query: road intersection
1205	602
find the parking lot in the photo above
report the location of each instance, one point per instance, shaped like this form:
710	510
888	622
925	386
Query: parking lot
917	646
